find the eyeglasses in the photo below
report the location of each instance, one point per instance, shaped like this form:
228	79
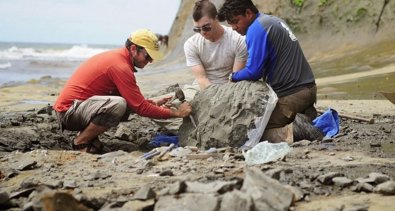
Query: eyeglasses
146	55
205	28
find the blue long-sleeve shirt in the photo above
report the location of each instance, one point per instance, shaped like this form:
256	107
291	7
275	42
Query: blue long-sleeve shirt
274	54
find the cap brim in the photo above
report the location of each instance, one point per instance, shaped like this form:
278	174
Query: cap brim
155	55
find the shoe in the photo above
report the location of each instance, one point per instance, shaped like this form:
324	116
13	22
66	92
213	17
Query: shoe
94	147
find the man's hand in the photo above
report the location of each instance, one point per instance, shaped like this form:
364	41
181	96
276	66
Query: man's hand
183	110
160	102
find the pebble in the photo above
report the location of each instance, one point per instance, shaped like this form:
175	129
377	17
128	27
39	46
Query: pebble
348	158
166	173
70	184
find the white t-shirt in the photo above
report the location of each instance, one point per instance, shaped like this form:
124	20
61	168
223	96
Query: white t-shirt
218	57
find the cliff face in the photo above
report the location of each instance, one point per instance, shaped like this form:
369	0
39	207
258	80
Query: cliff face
349	43
319	25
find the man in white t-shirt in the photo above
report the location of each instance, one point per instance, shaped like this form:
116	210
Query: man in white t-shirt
213	53
215	50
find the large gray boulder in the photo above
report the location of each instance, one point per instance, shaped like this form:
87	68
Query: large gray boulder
224	114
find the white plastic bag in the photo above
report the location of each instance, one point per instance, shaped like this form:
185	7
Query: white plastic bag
254	135
265	152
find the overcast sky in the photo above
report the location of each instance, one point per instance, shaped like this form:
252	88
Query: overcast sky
83	21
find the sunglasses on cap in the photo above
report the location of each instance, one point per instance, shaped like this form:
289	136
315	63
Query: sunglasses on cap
205	28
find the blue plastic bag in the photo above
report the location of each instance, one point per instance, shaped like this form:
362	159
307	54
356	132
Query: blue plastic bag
328	123
163	140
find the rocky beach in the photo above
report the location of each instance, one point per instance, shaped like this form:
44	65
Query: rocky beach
354	170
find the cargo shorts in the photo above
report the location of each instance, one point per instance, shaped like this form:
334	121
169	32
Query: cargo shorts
105	111
288	106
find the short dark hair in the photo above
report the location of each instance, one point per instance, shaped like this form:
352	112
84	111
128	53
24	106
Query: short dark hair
202	8
129	43
232	8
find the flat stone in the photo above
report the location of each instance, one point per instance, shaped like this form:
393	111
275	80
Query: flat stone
61	201
177	187
378	177
139	205
301	143
342	181
144	193
70	184
123	132
297	192
235	201
4	197
10	173
29	182
386	188
27	165
326	179
188	202
348	158
359	207
363	187
22	193
213	187
54	183
99	174
274	173
365	180
180	152
267	193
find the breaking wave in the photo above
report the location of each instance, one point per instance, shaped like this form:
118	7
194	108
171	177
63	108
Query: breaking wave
5	65
74	53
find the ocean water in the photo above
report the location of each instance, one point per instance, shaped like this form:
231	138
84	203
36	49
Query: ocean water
21	62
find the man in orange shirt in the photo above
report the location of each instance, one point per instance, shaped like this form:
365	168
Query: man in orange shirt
102	90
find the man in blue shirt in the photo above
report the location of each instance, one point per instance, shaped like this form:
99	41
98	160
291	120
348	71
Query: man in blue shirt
275	55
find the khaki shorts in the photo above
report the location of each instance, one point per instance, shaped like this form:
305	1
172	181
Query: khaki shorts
105	111
287	107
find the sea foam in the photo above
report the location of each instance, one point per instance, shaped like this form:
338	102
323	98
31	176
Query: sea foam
74	53
5	65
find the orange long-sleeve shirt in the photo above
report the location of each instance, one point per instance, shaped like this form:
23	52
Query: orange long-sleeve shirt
108	73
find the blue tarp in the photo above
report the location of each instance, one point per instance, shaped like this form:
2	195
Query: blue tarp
328	123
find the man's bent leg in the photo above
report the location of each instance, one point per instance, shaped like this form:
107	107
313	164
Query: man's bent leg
287	107
89	134
94	116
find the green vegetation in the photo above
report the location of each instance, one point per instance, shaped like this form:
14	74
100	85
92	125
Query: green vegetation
323	3
361	12
298	3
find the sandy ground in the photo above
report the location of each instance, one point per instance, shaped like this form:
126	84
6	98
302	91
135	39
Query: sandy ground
36	95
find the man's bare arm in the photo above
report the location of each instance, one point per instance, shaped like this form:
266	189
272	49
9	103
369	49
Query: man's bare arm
200	75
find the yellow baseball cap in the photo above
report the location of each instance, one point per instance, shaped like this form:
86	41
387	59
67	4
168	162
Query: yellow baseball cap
149	41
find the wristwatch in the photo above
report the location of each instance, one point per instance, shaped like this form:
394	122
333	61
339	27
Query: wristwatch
230	77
